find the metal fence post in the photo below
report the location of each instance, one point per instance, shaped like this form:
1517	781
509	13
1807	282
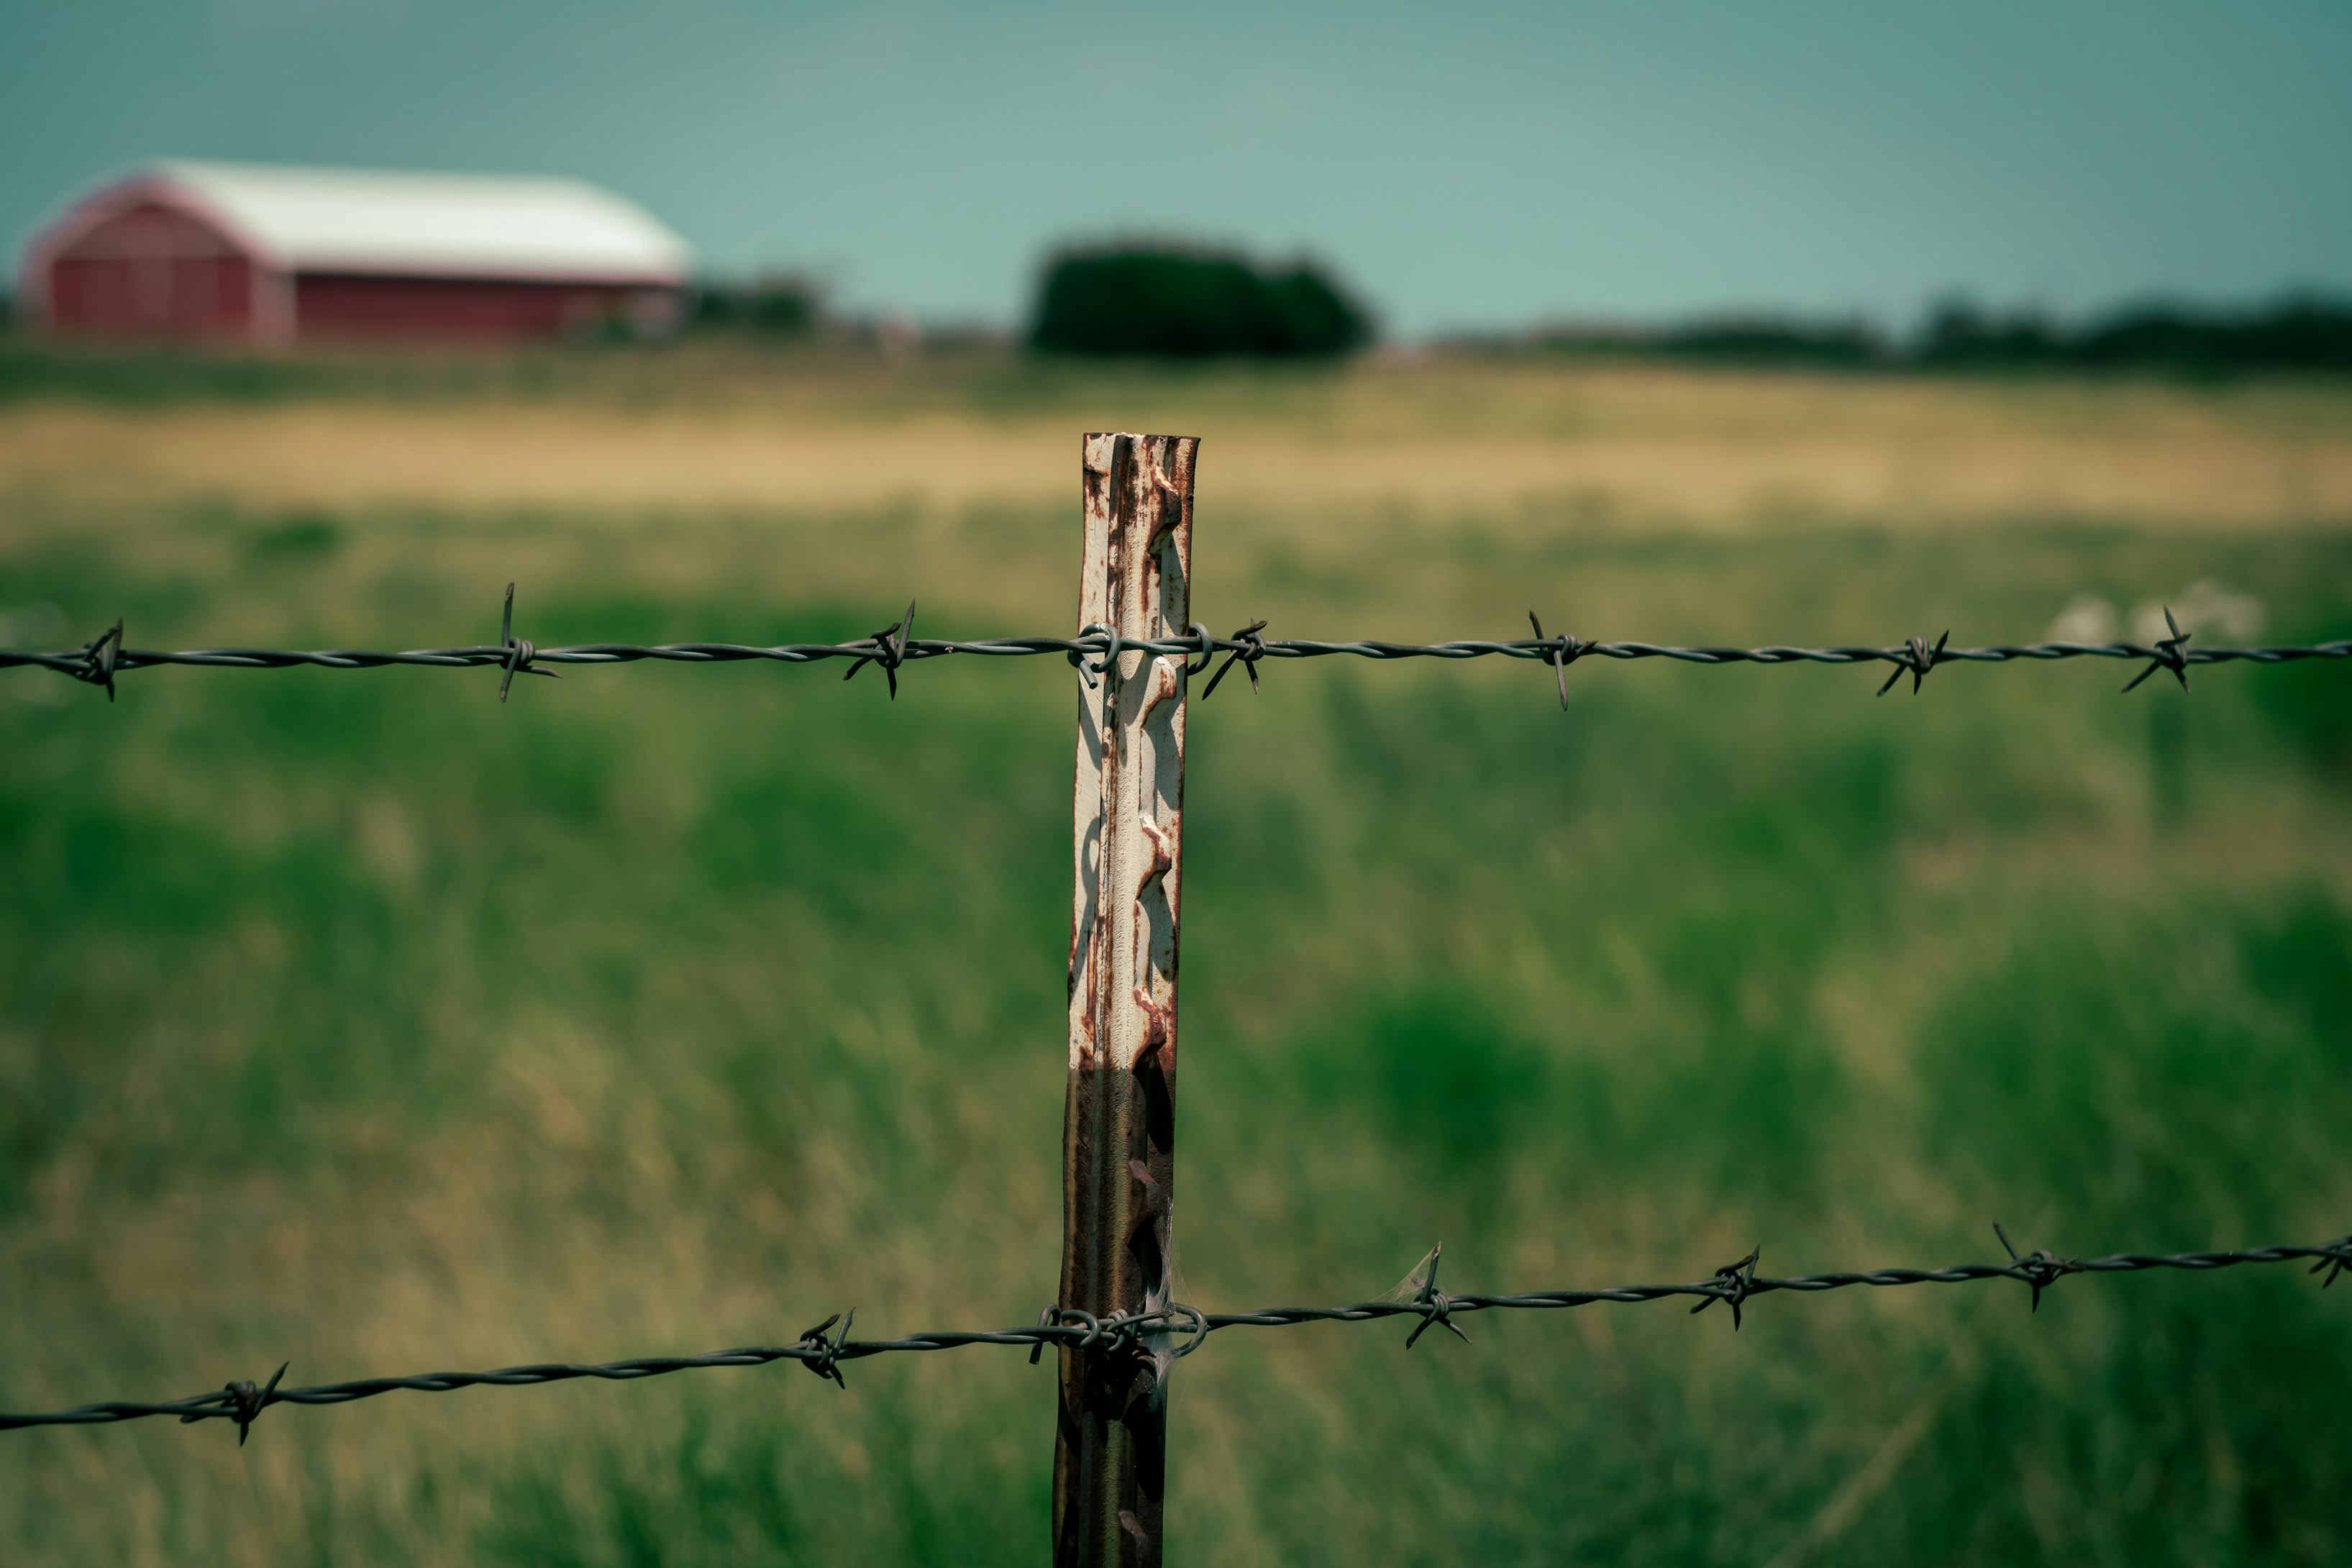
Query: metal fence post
1119	1127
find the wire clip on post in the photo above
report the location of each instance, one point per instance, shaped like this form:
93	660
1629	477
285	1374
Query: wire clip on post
1208	649
1076	651
2172	653
1196	1327
1919	658
1738	1281
1252	649
98	657
1051	1318
1112	647
2038	1268
1055	1324
518	651
889	650
1564	652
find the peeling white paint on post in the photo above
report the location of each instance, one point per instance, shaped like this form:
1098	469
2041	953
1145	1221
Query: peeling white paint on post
1117	1141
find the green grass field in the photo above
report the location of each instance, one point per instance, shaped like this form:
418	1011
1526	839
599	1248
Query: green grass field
355	1020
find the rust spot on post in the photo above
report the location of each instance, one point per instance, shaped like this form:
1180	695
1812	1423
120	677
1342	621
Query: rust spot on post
1118	1129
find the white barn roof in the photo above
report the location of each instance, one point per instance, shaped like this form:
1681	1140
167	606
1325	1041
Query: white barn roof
361	220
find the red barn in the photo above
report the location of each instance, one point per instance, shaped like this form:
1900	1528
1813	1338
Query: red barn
250	253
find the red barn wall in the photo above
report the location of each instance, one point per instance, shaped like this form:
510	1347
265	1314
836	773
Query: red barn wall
352	305
152	271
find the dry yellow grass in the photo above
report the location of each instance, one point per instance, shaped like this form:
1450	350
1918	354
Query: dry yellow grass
1432	440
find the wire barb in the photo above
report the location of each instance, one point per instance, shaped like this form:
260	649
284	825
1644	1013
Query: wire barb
1919	658
2172	653
889	650
1251	648
2038	1268
1737	1283
822	1355
518	651
2338	1258
1437	1306
1566	649
241	1403
98	657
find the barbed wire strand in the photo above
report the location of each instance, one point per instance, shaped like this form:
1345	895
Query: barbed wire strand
1094	649
826	1348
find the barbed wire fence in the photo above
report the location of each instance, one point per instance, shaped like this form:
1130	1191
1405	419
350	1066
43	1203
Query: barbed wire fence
827	1347
1096	648
1153	1337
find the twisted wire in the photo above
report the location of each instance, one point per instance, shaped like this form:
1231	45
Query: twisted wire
1096	648
1095	645
824	1348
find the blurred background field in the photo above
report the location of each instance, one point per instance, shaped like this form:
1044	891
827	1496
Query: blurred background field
353	1019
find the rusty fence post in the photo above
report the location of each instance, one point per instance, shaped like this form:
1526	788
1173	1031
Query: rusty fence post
1117	1134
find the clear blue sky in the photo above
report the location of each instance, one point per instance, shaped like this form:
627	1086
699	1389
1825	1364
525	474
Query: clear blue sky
1464	164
